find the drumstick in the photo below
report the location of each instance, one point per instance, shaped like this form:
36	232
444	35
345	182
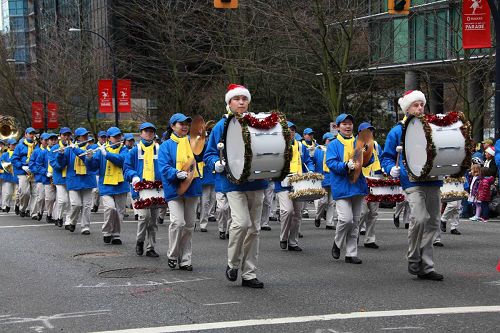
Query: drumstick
220	148
399	149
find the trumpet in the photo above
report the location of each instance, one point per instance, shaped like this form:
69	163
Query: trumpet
69	146
106	145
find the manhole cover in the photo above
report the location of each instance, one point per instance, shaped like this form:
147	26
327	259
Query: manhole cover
98	254
127	272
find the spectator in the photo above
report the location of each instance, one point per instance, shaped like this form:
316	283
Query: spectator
490	167
484	194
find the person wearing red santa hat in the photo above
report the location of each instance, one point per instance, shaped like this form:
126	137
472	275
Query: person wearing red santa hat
490	167
424	197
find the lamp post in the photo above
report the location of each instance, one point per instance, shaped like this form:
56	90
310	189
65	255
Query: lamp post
115	83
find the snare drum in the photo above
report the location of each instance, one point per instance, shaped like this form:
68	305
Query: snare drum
150	195
306	187
255	152
436	145
384	190
453	189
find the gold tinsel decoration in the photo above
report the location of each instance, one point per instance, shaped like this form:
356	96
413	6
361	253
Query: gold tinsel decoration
306	176
454	194
448	180
307	193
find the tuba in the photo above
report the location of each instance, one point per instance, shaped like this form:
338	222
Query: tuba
9	128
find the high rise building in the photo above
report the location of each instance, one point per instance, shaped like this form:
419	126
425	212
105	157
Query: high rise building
19	29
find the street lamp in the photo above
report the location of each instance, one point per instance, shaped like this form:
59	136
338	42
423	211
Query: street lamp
115	84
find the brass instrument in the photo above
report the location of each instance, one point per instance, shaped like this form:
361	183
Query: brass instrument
362	153
7	166
106	145
69	146
197	134
9	128
190	168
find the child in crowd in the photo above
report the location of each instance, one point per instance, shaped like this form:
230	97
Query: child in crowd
484	194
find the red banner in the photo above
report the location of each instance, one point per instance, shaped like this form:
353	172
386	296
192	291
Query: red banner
105	96
37	115
476	31
52	115
124	96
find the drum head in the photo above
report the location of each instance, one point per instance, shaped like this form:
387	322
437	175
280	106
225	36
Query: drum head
234	148
415	146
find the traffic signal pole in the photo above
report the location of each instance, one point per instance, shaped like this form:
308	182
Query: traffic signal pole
494	7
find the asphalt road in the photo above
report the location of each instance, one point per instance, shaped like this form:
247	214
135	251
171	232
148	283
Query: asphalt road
52	280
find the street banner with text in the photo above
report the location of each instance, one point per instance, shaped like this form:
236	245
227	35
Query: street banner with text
124	92
37	115
105	92
52	121
476	31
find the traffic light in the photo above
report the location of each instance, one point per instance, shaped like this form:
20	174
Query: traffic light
226	4
401	7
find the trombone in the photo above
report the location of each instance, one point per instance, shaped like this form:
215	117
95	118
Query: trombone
69	146
106	145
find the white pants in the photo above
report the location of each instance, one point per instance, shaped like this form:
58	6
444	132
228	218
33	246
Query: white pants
81	204
114	208
291	217
207	203
147	227
451	214
243	247
403	207
40	199
95	197
327	203
223	212
267	205
50	199
180	231
8	190
349	212
62	208
26	191
369	213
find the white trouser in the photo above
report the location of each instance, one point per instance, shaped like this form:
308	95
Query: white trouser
223	212
8	190
147	228
425	209
451	213
162	213
62	207
207	203
26	191
50	199
403	207
1	184
95	197
369	213
40	199
180	231
114	209
81	204
267	204
291	217
327	203
243	247
349	213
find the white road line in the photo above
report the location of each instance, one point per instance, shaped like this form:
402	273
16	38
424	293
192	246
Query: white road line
224	303
306	319
46	225
402	328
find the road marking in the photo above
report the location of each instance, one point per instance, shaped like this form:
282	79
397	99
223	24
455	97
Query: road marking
402	328
46	225
306	319
224	303
46	320
146	284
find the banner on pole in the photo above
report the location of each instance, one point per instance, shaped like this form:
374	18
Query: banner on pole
52	115
124	96
476	31
37	115
105	92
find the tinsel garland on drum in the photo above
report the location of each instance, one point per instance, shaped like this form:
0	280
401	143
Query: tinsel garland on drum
150	202
306	186
452	189
384	182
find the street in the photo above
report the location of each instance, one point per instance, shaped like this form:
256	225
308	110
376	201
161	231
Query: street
56	281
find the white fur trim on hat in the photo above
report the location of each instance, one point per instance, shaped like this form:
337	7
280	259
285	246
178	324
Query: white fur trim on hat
490	151
234	90
409	97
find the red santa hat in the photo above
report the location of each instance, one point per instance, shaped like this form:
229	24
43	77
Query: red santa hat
234	90
490	150
409	97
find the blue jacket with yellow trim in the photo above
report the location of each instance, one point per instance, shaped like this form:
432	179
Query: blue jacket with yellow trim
98	163
19	158
8	177
57	177
307	165
33	166
75	182
167	159
134	166
42	163
318	157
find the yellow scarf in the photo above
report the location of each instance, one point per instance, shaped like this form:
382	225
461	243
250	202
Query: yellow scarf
30	146
348	147
184	152
113	173
313	144
375	166
148	169
11	152
63	172
296	162
325	167
79	165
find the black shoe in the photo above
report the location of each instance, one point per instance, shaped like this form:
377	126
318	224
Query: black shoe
407	225
86	232
28	212
414	268
227	235
7	209
139	248
283	244
335	251
272	218
22	214
396	220
94	209
152	253
66	227
305	214
35	217
203	230
222	235
362	232
431	276
159	221
49	219
16	210
455	232
188	268
59	223
126	215
40	216
116	241
211	219
136	217
443	226
300	235
294	248
317	223
231	273
438	244
353	260
253	283
371	245
107	239
266	228
330	227
172	263
71	228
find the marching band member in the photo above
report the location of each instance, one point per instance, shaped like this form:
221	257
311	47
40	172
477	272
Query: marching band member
2	149
129	143
266	207
290	210
102	138
113	188
46	172
79	181
142	164
208	200
174	154
423	197
369	212
39	205
222	211
308	141
245	200
20	160
326	203
59	178
10	180
348	196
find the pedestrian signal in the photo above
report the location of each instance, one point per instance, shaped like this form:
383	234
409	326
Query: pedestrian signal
226	4
401	7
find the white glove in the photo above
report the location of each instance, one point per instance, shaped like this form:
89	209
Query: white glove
103	150
26	169
49	174
89	153
135	180
182	175
395	172
73	145
350	165
219	166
